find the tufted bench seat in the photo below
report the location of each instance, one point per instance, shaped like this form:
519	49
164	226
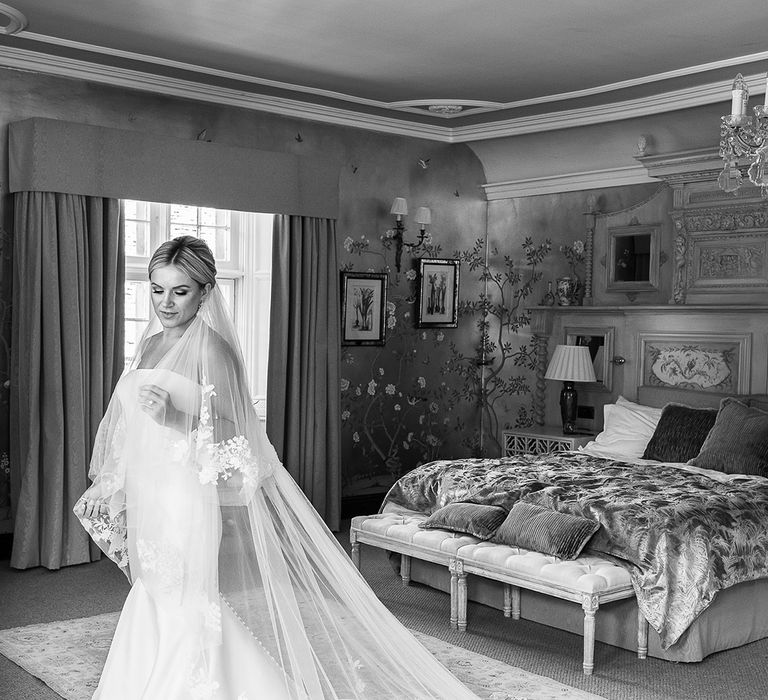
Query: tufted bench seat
588	580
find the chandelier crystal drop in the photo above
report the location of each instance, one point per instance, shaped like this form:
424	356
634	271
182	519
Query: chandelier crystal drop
744	137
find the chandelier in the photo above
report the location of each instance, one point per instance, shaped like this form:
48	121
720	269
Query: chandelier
742	136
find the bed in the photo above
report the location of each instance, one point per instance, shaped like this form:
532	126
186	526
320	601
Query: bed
695	535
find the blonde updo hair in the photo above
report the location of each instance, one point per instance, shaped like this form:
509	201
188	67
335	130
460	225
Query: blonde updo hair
190	254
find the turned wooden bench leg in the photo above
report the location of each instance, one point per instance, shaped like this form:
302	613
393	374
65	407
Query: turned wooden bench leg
454	594
642	635
355	549
512	601
590	603
461	594
405	569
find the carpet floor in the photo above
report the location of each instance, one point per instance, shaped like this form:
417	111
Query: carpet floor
69	656
40	596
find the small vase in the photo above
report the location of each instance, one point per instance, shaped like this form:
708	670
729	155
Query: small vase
568	291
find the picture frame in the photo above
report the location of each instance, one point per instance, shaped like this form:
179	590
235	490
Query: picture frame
600	341
715	363
438	293
633	258
363	308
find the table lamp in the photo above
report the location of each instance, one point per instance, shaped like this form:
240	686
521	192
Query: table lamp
569	364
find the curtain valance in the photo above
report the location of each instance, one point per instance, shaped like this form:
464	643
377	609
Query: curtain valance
49	155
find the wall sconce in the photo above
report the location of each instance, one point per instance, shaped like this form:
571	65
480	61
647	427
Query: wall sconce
423	218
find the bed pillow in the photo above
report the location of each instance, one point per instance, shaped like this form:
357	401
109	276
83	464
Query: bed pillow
738	441
543	530
627	429
475	519
680	433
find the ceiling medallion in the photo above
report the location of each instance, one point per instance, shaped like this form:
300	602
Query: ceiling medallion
14	20
445	109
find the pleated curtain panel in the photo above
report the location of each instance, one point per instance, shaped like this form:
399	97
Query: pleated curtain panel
66	357
303	390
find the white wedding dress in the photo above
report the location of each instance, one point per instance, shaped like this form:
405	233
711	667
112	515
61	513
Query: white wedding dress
239	590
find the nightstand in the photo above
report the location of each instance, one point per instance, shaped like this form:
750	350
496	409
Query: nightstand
540	439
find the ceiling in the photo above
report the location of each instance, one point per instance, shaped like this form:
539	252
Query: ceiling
512	66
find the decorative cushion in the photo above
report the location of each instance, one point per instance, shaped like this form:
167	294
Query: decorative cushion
738	441
532	527
680	433
470	518
627	428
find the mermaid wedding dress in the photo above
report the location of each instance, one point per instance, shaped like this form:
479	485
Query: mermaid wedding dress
239	591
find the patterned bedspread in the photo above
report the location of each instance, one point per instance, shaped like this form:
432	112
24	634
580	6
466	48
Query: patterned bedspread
687	533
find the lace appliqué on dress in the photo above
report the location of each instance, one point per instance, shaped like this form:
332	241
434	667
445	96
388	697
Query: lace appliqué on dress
161	560
109	532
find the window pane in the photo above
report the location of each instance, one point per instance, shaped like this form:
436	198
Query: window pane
137	238
183	214
133	331
183	230
137	299
217	240
207	216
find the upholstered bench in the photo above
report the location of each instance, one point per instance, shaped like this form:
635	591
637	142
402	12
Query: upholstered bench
588	580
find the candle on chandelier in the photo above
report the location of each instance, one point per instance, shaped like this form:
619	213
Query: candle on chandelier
739	96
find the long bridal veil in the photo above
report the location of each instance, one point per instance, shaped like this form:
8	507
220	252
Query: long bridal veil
204	514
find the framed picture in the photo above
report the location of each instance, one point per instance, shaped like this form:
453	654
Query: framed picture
696	361
438	293
600	344
363	308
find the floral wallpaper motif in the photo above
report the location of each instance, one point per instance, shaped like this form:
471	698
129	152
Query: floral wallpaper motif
431	393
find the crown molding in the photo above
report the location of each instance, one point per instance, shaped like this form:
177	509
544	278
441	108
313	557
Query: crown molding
40	62
569	182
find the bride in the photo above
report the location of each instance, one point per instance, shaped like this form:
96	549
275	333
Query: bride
239	591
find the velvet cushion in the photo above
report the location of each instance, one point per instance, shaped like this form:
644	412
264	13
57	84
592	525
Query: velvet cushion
475	519
532	527
680	433
738	441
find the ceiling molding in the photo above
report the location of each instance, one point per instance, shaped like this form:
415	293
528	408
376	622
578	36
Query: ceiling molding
45	63
569	182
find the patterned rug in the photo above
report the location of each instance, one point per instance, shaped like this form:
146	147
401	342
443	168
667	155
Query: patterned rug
68	657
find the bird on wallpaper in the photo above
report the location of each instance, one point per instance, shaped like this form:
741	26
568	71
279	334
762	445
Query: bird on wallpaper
456	193
424	162
299	137
201	136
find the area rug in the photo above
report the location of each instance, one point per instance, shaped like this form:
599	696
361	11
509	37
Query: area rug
68	656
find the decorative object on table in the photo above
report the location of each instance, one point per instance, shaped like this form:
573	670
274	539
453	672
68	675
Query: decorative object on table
438	293
569	364
742	136
423	217
363	308
549	298
568	289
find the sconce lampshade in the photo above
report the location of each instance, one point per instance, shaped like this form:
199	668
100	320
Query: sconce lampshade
571	363
399	206
423	216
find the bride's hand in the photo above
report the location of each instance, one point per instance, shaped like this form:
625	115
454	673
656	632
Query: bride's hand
157	404
91	507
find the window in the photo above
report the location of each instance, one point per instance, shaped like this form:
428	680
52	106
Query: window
241	243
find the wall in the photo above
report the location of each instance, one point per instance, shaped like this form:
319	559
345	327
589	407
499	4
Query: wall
374	168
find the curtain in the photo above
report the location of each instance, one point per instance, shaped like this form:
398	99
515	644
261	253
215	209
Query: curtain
66	356
303	395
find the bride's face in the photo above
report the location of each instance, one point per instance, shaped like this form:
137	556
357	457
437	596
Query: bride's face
175	296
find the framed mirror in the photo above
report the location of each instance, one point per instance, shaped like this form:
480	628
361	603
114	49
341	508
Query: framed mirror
633	259
600	344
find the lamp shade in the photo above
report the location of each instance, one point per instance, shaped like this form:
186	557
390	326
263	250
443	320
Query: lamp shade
571	363
423	216
399	206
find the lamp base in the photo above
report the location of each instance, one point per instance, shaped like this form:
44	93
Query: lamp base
568	408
